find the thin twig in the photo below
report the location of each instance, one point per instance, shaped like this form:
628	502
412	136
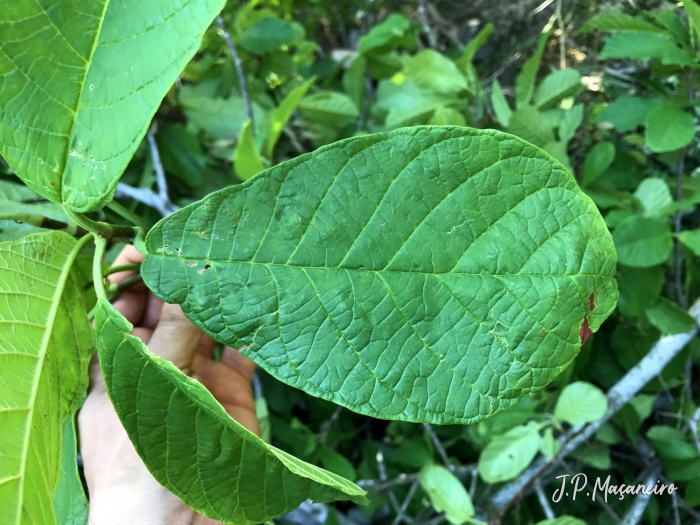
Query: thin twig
544	5
438	446
562	36
238	63
406	502
369	95
382	475
544	502
425	22
619	395
404	479
39	221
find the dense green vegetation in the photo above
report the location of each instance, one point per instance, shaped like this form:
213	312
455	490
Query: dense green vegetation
464	270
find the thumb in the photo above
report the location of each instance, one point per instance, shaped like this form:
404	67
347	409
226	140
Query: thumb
175	338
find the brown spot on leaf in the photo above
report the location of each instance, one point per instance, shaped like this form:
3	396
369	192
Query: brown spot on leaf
585	332
591	302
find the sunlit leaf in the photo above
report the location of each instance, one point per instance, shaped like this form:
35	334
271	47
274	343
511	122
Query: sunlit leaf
80	84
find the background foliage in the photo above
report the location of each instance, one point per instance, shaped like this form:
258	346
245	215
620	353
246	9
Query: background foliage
609	90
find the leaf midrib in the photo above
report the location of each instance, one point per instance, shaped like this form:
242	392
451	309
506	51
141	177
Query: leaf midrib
365	270
50	321
76	111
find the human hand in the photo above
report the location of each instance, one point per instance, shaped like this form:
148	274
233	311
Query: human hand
121	488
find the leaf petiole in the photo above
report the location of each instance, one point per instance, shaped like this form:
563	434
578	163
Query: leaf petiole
113	232
98	278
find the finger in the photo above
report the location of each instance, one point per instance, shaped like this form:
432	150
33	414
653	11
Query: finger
132	305
153	310
244	366
128	255
206	346
175	337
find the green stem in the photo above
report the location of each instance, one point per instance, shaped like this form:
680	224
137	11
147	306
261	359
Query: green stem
110	231
39	221
123	268
97	277
129	215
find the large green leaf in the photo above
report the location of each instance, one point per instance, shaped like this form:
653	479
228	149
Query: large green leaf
268	34
45	345
191	445
375	271
79	83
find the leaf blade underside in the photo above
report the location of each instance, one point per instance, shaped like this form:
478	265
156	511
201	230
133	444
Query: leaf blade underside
191	445
45	345
427	274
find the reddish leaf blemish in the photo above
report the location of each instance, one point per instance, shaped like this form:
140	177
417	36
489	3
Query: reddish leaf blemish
585	332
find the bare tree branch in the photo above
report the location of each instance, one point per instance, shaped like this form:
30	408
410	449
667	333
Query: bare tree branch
544	502
438	446
634	515
238	63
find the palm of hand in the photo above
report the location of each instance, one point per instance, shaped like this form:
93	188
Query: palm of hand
120	486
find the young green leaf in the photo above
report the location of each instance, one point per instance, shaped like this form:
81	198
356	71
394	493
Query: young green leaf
619	22
283	112
473	46
670	318
447	494
580	402
507	455
447	117
693	11
556	86
355	81
643	241
246	161
385	36
435	72
668	128
46	345
626	113
525	81
329	108
654	195
598	159
268	34
548	445
671	443
372	269
691	239
527	123
500	105
639	288
78	96
196	450
562	520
